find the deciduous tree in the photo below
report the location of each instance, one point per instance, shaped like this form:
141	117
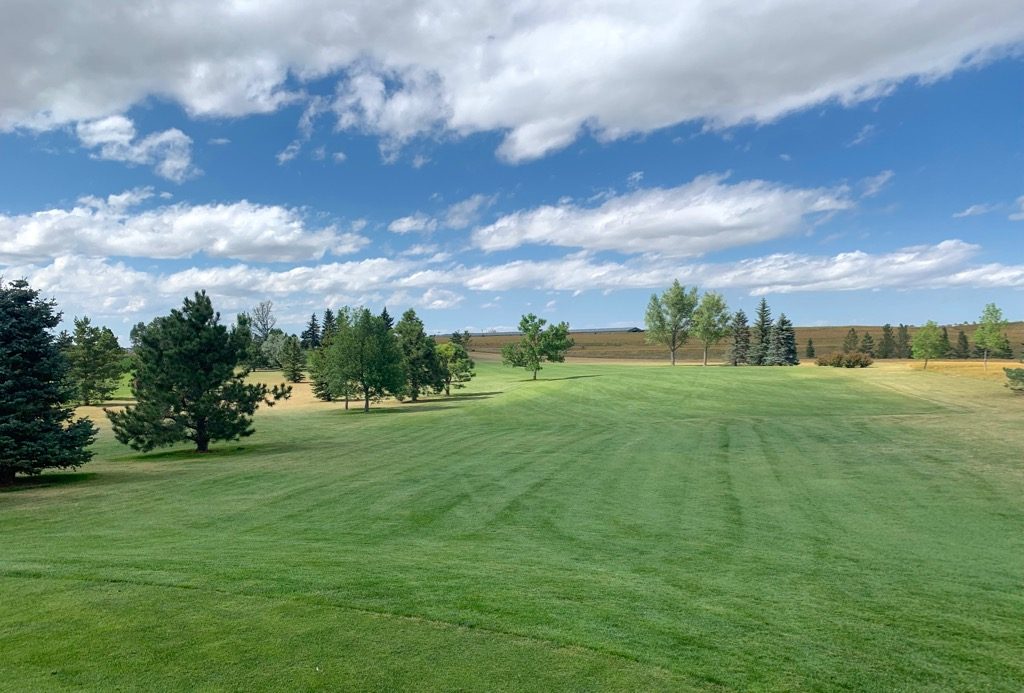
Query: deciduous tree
366	359
419	356
710	322
928	343
189	382
669	317
456	365
988	337
37	426
537	344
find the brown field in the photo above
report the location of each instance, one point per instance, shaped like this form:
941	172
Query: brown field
631	345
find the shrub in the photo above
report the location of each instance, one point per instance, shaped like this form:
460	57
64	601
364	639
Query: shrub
1016	377
852	359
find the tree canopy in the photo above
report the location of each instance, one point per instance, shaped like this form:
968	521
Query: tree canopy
37	428
419	356
366	360
456	365
928	343
189	384
989	335
537	344
710	321
96	362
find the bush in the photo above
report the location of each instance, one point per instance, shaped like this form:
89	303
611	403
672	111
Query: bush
1016	378
852	359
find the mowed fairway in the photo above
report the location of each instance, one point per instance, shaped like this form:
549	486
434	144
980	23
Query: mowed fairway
606	527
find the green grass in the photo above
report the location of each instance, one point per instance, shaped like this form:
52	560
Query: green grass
613	527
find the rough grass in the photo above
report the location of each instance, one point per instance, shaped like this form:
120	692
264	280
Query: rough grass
607	527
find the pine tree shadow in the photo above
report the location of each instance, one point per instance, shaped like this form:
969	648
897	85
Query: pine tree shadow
23	483
567	377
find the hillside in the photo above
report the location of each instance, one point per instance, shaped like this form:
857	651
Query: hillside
631	345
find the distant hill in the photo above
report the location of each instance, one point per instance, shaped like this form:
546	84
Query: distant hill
628	343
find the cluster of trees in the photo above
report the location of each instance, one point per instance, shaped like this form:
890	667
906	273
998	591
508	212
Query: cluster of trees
678	314
354	354
893	343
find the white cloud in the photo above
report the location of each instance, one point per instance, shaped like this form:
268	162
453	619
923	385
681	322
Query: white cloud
219	141
1019	214
339	157
872	185
704	215
241	230
418	222
974	210
862	136
289	152
467	212
114	139
538	73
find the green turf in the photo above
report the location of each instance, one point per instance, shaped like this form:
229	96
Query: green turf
611	527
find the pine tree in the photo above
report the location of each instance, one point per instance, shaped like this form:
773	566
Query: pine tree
36	427
328	327
782	349
293	359
761	334
851	342
962	350
310	337
903	342
419	356
385	316
96	362
809	352
739	351
463	339
789	341
189	382
947	348
887	345
867	345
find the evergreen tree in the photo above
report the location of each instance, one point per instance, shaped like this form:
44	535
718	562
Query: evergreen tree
867	345
328	327
947	348
462	339
37	430
386	317
319	377
189	385
310	337
887	344
809	352
962	350
537	344
989	335
851	342
456	365
739	351
761	334
789	353
928	343
365	359
1015	377
903	350
669	317
293	359
419	356
710	323
96	362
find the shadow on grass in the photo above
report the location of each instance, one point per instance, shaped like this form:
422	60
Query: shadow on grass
216	452
23	483
568	377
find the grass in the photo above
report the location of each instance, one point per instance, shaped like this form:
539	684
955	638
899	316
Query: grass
607	527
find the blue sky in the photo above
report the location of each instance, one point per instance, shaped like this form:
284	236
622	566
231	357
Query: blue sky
856	163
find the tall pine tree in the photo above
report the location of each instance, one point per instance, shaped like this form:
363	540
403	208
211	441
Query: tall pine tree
37	429
761	334
739	350
903	342
328	327
419	356
293	359
310	337
962	350
887	344
867	345
851	342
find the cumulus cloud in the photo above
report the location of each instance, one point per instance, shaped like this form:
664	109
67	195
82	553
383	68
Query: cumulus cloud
459	215
704	215
418	222
538	73
113	227
114	139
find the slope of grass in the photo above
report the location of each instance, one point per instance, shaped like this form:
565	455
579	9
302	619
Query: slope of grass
608	527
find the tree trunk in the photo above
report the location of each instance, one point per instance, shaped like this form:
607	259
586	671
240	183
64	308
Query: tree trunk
448	389
6	476
202	437
366	403
673	352
346	402
705	354
925	364
535	375
986	359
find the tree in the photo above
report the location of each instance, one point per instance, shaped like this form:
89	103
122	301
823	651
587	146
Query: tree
1016	379
887	344
946	346
189	385
739	351
537	344
419	356
988	336
809	352
365	359
37	429
710	322
782	349
323	381
456	366
293	359
96	362
851	342
329	326
463	339
962	350
310	337
867	345
273	348
928	343
261	323
761	334
669	317
903	342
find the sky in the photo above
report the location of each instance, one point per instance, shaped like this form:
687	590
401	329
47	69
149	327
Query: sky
854	162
